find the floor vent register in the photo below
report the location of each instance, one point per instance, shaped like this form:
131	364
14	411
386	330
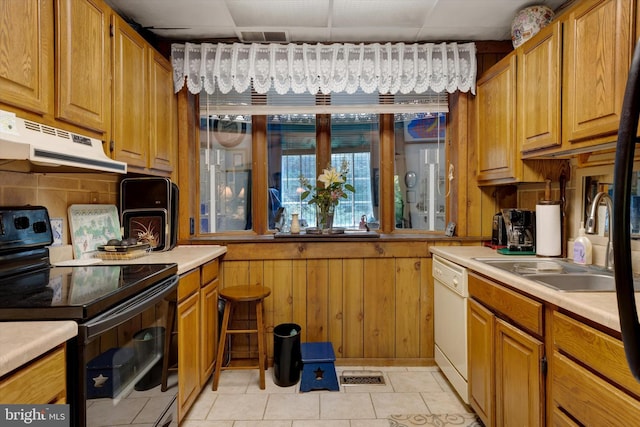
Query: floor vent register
362	378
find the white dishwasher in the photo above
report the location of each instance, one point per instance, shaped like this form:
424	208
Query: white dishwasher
450	291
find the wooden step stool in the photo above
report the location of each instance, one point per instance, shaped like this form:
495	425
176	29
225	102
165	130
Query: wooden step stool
318	369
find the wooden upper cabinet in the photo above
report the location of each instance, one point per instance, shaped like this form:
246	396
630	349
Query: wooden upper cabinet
130	125
539	89
83	63
162	113
498	153
26	56
597	52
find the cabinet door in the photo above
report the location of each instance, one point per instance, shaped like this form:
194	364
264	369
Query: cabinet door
597	52
498	155
209	337
130	115
519	389
188	355
25	74
83	65
539	87
40	382
162	111
480	333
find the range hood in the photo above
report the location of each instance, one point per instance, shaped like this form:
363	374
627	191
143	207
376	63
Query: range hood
27	146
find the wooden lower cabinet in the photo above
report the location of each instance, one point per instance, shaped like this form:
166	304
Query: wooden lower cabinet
209	320
188	359
481	367
506	381
197	332
591	384
519	380
42	381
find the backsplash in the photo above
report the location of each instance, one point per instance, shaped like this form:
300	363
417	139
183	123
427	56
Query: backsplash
530	194
57	192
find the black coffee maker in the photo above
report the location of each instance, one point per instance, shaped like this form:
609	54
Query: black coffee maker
521	229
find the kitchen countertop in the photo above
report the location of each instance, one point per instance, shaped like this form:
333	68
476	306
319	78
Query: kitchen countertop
600	307
187	257
22	342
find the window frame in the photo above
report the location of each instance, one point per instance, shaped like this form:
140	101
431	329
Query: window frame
260	181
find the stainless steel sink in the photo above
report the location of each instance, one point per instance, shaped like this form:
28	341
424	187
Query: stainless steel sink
535	265
576	282
559	273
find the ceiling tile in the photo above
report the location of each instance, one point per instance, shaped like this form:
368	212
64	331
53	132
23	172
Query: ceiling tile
171	13
279	13
373	13
378	35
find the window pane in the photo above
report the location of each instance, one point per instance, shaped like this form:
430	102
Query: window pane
355	138
225	171
420	180
292	152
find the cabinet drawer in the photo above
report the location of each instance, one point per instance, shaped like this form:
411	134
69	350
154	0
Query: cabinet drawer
595	349
560	419
589	399
189	283
209	271
522	310
41	382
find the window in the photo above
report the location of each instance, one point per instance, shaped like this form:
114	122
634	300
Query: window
225	169
420	181
292	153
300	134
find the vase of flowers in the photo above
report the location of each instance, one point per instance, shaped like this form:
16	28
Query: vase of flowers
327	194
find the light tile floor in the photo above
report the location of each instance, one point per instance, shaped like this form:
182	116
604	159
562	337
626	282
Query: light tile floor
239	402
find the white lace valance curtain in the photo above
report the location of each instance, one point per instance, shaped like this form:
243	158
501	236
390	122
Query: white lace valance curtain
385	68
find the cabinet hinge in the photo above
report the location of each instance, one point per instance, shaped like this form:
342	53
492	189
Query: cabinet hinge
112	146
543	365
111	33
192	226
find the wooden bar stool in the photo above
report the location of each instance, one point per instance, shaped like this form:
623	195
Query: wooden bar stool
232	296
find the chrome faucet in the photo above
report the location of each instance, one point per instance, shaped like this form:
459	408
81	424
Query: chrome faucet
592	224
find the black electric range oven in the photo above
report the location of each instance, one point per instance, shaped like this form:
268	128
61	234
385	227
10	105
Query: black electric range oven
114	365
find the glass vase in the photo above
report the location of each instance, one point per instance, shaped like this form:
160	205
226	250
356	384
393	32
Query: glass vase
325	218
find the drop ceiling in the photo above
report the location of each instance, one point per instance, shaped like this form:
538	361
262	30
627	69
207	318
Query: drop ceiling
322	21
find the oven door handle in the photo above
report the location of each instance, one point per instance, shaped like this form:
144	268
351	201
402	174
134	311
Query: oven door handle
123	312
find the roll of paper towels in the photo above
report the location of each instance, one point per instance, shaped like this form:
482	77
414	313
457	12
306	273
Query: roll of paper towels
548	229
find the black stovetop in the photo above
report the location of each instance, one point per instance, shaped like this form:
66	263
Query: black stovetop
75	293
31	289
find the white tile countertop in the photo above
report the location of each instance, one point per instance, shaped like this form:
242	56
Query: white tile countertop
187	257
600	307
22	342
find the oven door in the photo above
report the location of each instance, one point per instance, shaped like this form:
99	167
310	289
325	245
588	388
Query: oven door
116	363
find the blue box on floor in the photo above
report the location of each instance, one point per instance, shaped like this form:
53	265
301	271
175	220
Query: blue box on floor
107	372
318	369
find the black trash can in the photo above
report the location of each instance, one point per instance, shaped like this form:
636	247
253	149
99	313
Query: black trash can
287	360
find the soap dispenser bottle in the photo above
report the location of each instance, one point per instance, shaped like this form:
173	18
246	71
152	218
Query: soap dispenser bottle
582	250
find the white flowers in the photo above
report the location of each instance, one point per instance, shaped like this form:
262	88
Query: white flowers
330	176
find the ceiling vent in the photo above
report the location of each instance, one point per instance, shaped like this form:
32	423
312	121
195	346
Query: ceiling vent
264	36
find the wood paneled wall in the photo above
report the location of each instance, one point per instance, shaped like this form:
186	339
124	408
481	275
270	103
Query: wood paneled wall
372	300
